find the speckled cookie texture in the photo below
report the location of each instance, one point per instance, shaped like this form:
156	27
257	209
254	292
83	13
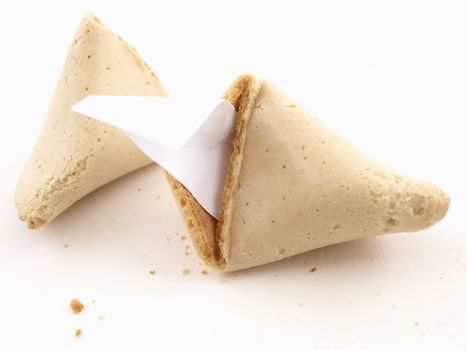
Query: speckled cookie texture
74	154
294	185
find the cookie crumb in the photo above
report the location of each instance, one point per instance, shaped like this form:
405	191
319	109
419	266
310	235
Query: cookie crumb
186	271
78	332
416	324
76	306
66	245
101	317
152	272
313	269
158	196
93	301
204	272
183	238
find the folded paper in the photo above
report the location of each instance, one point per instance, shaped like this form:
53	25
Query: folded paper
74	156
191	139
293	185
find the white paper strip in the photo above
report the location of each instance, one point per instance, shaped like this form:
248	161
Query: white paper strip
191	139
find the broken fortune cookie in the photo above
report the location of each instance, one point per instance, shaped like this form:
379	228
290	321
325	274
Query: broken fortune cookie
293	185
75	155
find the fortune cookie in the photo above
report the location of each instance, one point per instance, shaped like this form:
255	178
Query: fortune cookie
75	155
293	185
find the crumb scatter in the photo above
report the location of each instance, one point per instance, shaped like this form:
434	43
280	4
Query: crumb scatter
78	332
186	271
313	269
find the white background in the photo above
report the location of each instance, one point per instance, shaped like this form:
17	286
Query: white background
390	76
